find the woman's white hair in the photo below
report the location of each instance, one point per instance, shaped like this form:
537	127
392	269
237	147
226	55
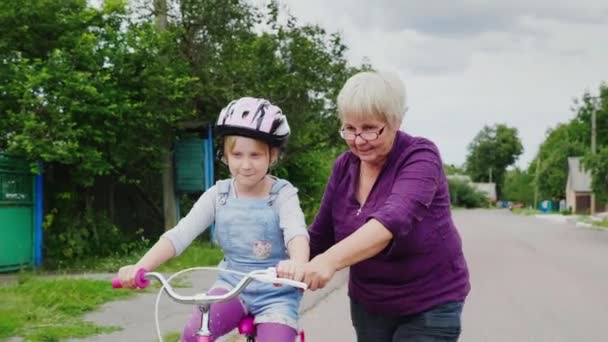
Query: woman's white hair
372	94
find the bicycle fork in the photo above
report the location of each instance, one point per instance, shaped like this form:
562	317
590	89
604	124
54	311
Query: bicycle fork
204	330
204	334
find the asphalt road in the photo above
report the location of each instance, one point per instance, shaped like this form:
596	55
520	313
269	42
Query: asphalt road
532	279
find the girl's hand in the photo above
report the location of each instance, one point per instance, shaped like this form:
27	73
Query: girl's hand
126	275
290	269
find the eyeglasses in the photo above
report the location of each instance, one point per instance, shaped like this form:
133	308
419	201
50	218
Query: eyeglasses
365	135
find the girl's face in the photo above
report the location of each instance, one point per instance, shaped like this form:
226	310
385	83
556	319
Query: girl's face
373	139
248	161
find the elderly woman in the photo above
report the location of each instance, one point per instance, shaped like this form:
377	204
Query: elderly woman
386	214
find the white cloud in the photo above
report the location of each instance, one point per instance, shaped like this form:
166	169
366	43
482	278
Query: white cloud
470	63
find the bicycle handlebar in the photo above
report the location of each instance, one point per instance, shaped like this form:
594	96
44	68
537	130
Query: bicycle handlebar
269	275
140	280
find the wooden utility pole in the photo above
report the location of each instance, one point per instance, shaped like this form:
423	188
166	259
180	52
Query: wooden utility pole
160	14
169	208
593	137
536	180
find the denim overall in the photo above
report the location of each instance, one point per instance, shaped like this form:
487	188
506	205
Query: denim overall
248	231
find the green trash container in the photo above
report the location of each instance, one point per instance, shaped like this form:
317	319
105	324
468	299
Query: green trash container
17	213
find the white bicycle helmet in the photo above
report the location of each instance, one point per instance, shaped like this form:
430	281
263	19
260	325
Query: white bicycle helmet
254	118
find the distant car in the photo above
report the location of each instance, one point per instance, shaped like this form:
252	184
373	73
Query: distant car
516	206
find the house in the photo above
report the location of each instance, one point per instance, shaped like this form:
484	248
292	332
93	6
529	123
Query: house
578	188
488	189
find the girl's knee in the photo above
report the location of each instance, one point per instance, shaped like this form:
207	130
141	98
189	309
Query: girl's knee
224	316
191	327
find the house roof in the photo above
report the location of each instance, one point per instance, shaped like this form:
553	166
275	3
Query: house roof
579	180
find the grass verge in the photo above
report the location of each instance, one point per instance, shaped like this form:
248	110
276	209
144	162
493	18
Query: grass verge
40	309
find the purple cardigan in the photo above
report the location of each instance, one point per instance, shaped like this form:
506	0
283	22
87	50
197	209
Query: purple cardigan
423	266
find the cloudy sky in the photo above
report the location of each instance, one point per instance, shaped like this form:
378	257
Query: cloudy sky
470	63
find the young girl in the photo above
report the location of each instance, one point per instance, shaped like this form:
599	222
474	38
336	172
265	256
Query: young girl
258	222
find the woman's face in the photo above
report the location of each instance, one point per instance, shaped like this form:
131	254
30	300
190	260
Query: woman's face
373	138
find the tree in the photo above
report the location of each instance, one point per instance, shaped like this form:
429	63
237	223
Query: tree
597	163
565	140
94	106
491	152
517	186
299	67
573	139
463	194
451	169
98	100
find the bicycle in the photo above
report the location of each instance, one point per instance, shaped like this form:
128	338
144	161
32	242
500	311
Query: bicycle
246	326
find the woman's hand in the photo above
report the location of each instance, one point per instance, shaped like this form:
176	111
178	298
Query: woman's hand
126	275
290	269
318	272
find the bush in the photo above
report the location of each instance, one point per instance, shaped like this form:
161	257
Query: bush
68	240
462	194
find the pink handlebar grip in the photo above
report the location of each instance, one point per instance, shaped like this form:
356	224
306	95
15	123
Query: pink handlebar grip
116	283
140	280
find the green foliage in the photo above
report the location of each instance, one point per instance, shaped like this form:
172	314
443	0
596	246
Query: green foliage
51	310
462	194
71	240
518	187
451	169
99	99
80	105
309	171
492	151
566	140
526	211
598	163
602	224
573	139
300	68
197	254
173	336
36	27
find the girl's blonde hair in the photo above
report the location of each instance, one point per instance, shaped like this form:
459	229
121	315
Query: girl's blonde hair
372	94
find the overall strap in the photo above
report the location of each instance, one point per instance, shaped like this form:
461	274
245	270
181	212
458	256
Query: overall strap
276	188
223	190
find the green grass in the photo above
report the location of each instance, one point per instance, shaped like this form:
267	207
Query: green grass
525	211
40	309
172	336
198	254
601	224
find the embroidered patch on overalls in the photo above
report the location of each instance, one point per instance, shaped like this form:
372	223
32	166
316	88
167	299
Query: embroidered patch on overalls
261	249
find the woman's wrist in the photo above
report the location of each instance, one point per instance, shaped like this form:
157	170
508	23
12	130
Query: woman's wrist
331	259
